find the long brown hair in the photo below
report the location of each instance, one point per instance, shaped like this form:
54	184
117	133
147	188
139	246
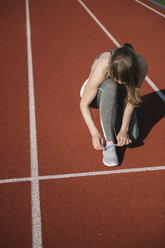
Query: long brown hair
124	67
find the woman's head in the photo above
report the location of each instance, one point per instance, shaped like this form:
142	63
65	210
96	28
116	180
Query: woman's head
124	70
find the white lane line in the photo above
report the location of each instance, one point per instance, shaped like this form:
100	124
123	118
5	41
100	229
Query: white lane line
154	10
100	24
149	81
153	86
85	174
100	173
15	180
35	197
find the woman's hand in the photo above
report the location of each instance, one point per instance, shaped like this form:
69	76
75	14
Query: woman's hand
97	141
123	138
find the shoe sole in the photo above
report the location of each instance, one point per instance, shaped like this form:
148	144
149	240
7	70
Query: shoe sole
110	165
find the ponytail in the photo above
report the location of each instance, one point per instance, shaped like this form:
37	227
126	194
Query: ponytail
129	46
124	66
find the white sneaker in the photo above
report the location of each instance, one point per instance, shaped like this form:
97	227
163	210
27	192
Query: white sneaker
109	155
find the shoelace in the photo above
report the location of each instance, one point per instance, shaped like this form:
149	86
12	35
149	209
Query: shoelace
109	146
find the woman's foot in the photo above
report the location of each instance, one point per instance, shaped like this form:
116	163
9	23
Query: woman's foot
109	155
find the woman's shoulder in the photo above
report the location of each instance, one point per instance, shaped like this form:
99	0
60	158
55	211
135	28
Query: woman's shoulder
101	61
105	55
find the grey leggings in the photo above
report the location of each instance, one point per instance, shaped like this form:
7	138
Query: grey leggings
110	101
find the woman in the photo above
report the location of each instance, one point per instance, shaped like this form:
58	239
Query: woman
113	86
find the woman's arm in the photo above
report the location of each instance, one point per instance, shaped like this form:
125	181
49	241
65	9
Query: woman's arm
95	79
123	137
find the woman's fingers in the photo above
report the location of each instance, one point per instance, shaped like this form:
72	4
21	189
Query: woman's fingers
98	147
120	141
98	142
123	141
129	141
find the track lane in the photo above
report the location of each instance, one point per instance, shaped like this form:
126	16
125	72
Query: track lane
148	115
57	64
130	21
58	59
153	7
108	211
14	128
15	215
62	60
14	219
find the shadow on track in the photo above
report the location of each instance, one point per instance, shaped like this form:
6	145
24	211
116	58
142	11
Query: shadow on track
150	112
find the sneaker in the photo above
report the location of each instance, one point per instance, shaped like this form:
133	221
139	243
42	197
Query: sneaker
109	155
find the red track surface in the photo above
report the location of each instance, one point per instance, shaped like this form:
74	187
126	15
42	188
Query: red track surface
122	210
14	128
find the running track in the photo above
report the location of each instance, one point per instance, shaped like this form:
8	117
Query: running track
81	203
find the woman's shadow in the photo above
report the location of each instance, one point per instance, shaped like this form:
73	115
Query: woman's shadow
150	112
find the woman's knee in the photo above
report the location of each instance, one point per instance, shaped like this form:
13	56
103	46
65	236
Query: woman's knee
108	86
